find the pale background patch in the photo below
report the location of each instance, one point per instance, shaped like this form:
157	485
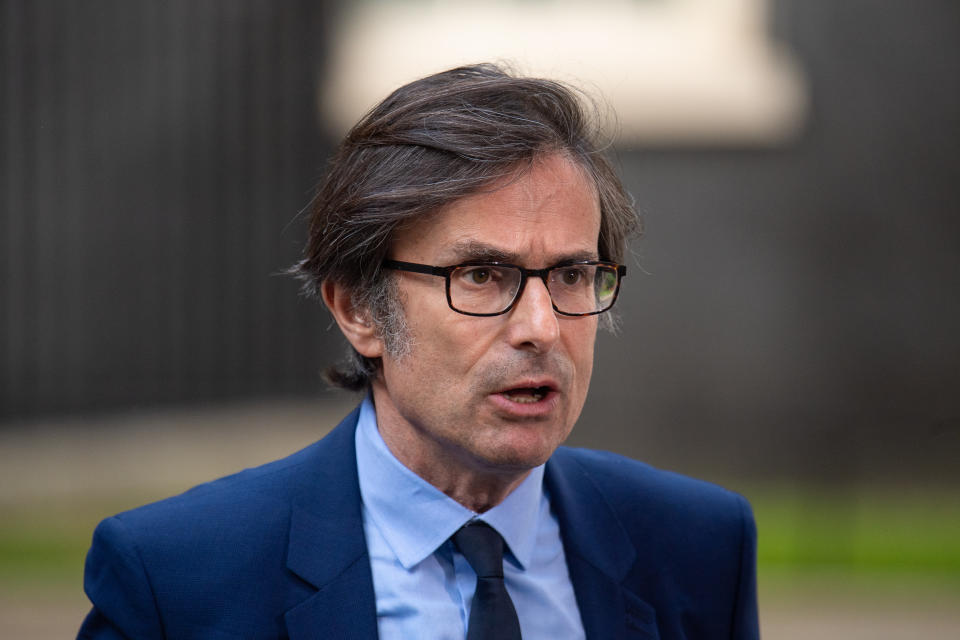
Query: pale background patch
674	71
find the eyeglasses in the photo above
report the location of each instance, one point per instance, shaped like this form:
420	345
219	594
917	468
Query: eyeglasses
577	288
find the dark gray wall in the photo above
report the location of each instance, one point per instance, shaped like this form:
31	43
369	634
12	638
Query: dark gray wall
154	156
802	307
799	314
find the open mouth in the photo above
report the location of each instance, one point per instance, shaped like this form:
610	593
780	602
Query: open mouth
526	395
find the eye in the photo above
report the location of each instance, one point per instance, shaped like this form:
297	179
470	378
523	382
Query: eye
477	275
571	276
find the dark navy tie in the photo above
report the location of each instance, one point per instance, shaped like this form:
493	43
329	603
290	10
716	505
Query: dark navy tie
492	615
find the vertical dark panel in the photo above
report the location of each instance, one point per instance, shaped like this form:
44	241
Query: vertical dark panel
11	271
72	222
174	56
46	339
18	174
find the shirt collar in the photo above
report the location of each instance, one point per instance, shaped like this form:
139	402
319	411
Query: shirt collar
415	517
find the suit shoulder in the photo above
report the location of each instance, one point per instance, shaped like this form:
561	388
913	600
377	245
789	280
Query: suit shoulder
636	487
250	487
249	500
692	541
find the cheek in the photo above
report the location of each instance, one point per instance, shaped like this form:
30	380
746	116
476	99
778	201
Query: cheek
580	346
581	335
450	344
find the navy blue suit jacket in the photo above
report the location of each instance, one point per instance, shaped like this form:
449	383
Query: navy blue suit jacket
278	551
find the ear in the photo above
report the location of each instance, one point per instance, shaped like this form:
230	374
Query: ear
356	325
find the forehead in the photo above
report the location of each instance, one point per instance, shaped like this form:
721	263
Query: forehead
546	214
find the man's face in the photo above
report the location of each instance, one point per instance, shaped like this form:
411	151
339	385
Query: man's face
492	394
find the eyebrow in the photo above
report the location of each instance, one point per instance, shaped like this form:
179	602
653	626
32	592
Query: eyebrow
472	250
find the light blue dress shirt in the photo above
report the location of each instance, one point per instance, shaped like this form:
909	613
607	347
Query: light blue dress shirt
423	585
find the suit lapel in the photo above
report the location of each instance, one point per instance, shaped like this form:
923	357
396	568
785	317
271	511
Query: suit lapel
599	554
327	548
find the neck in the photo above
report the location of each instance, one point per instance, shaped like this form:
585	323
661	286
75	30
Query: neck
476	488
476	485
476	493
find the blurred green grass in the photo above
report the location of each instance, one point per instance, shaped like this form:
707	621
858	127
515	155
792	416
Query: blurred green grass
865	541
871	544
43	544
896	531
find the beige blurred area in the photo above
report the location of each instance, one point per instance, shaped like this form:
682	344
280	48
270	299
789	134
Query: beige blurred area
163	449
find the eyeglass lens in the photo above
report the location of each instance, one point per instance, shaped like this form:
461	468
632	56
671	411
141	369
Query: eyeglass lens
574	289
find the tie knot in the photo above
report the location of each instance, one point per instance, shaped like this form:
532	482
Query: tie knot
482	546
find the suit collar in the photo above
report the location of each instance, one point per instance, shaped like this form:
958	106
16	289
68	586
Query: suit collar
599	554
327	548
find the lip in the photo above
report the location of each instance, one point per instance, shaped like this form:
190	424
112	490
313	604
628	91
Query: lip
541	408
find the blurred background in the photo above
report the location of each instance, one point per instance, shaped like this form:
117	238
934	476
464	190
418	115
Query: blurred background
789	324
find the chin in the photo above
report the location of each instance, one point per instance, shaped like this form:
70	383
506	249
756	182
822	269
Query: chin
520	454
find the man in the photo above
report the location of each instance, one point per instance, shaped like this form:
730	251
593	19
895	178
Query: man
467	241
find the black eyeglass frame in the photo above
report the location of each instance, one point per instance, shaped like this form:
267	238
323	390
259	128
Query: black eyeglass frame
444	272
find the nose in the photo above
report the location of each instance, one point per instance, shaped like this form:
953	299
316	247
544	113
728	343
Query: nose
532	323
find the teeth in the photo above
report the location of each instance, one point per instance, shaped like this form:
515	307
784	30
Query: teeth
525	398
